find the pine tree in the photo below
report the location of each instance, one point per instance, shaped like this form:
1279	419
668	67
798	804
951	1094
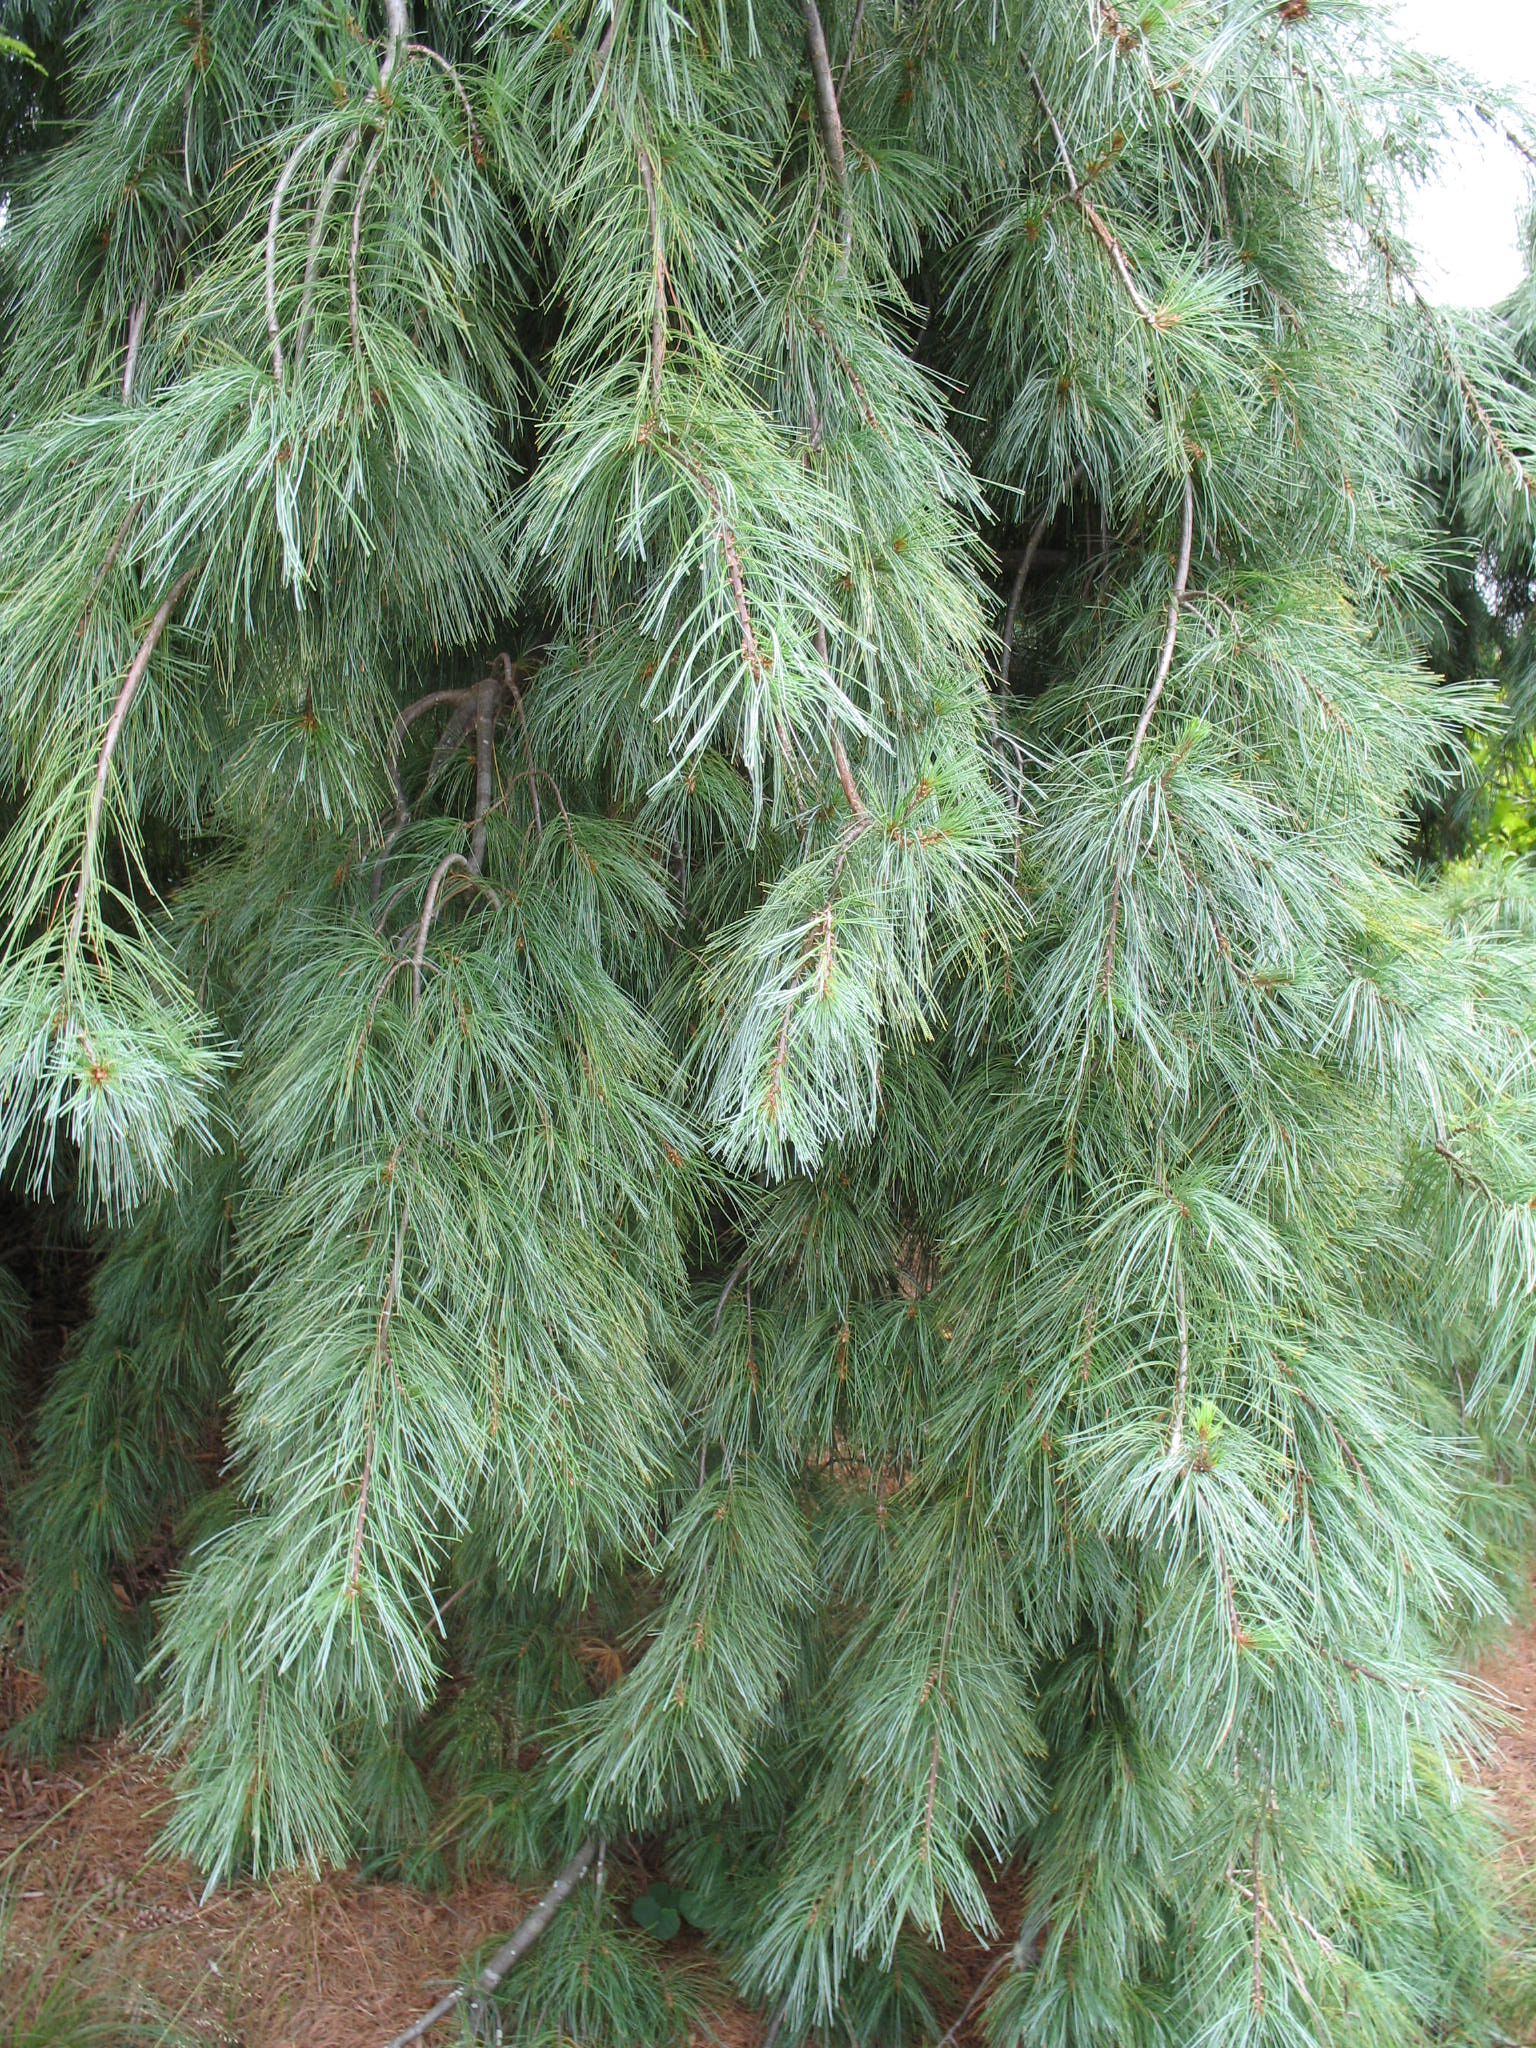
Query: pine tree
714	722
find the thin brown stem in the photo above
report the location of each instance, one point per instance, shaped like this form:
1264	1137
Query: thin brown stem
381	1357
428	912
513	1949
115	723
828	118
1105	234
485	765
997	1964
1170	637
856	803
1037	534
109	561
397	30
853	44
426	50
938	1692
509	678
135	336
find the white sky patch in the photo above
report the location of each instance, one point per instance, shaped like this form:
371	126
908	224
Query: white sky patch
1466	224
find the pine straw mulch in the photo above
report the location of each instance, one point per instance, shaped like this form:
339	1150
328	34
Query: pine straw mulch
346	1964
297	1964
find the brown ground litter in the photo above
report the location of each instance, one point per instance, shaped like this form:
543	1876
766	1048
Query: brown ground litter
346	1964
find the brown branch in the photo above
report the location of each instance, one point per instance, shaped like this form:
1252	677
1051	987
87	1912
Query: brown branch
109	562
659	283
1112	245
485	765
1176	599
428	911
997	1964
426	50
509	675
1432	319
1107	974
1464	1176
135	336
513	1949
381	1356
828	119
405	718
856	803
1026	562
853	41
120	710
1259	1914
397	30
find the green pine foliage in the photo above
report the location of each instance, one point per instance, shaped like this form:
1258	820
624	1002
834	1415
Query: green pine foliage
792	1133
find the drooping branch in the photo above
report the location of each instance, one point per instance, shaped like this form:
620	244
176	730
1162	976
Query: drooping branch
853	44
428	912
1037	534
513	1949
115	723
354	307
381	1357
109	561
135	336
486	697
435	57
510	671
1170	637
333	178
397	30
1103	232
296	156
829	119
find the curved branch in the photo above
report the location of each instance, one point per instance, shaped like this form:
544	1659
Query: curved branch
1181	1384
486	697
1165	659
509	674
853	43
333	178
1113	247
354	312
115	723
426	50
428	912
300	150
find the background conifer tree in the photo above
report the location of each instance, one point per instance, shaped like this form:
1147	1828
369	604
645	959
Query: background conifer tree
713	721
